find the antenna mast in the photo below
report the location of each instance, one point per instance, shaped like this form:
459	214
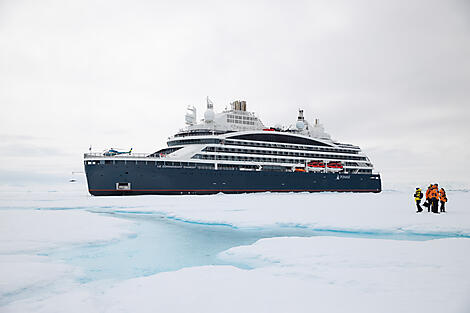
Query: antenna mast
210	104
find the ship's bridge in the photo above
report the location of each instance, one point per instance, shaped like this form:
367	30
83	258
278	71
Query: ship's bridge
235	118
238	119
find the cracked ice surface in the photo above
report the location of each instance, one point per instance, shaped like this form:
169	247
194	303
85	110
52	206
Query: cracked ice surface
387	212
325	274
26	233
35	230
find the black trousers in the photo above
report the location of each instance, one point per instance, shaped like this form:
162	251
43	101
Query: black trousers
435	204
443	206
427	204
418	205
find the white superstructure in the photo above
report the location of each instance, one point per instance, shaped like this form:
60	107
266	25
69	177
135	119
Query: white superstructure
237	139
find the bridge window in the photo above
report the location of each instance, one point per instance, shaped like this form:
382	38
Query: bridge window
280	138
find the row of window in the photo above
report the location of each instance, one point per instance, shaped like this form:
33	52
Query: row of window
241	117
229	120
193	141
201	132
242	158
266	167
281	138
152	163
289	147
283	153
256	144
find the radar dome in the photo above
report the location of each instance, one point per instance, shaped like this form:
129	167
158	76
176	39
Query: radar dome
209	115
300	125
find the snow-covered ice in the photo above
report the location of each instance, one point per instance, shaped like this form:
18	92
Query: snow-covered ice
34	230
26	233
327	274
31	273
278	274
387	212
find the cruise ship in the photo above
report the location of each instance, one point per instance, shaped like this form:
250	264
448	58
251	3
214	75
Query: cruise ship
234	152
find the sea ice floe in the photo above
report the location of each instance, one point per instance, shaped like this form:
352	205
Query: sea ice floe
27	275
287	274
324	274
25	234
34	230
393	212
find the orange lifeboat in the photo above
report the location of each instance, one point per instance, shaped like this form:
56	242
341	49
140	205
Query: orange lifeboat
316	164
335	164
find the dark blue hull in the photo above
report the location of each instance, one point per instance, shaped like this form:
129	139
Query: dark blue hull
142	179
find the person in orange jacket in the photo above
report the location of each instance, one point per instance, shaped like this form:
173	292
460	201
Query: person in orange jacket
427	203
443	199
434	195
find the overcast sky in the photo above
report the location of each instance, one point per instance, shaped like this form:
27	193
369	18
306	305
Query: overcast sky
390	76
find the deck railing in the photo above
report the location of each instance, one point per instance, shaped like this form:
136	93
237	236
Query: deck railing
126	155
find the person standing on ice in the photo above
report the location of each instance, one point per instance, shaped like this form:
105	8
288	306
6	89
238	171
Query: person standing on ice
443	198
434	195
427	203
418	196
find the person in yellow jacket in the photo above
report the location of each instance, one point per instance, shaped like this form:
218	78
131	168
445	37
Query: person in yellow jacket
443	199
434	195
428	201
418	196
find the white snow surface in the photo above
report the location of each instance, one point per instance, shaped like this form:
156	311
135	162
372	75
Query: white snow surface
34	230
21	273
323	274
387	212
23	233
287	274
